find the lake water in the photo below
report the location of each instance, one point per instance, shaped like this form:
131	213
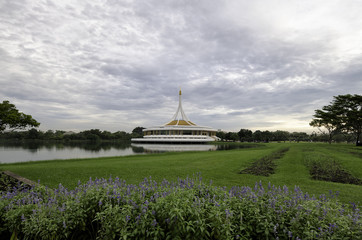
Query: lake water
35	151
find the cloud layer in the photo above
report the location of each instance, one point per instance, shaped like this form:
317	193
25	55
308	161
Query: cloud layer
116	65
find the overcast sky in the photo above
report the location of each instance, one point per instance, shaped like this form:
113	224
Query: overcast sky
118	64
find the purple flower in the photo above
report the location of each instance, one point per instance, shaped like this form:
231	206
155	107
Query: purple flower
353	205
285	189
138	218
260	185
228	213
256	186
154	223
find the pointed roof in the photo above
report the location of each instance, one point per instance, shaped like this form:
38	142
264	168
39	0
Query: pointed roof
180	118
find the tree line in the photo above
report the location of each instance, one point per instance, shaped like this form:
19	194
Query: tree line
246	135
60	135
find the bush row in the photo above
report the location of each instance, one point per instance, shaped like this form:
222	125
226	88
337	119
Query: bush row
326	168
265	165
184	209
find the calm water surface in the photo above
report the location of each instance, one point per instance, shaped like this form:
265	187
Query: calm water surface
35	151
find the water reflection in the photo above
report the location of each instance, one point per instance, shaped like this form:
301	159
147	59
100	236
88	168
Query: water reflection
158	148
34	146
37	150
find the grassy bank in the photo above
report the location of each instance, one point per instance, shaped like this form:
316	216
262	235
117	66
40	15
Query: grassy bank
222	167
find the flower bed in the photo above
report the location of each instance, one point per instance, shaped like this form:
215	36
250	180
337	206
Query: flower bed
186	209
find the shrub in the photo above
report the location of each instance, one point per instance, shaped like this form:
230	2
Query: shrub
185	209
265	165
326	168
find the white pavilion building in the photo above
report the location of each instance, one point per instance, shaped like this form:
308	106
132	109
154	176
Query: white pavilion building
179	130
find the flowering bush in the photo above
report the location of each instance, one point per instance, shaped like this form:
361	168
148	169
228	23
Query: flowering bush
185	209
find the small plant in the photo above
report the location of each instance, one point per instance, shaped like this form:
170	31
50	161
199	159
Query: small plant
265	165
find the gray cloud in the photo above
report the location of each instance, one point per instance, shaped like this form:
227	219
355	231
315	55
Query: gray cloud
116	65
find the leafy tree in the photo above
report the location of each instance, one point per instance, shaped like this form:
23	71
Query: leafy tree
257	136
33	134
349	111
281	135
49	134
262	136
343	114
232	136
122	135
106	135
11	118
137	132
221	135
245	135
326	118
59	134
299	136
266	136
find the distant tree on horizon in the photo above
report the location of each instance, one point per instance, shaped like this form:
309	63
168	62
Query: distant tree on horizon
137	132
245	135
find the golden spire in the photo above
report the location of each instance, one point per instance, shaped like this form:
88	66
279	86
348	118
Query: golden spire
179	118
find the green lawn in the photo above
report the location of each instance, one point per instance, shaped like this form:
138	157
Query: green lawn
222	167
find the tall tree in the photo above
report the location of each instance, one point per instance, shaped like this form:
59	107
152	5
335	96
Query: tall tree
257	136
245	135
232	136
349	111
137	132
11	118
281	135
326	118
343	114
